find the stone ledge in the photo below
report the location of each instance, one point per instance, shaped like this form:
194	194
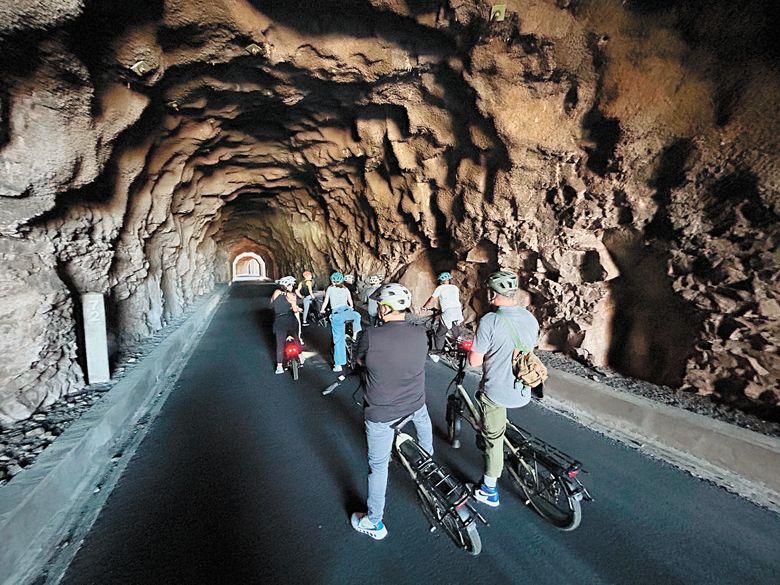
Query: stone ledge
40	500
742	461
738	459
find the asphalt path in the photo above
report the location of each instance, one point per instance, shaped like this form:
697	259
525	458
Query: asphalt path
247	477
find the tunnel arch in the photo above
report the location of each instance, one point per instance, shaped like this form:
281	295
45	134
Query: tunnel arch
371	140
248	266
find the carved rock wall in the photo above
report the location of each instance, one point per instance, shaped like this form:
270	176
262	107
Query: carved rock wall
621	156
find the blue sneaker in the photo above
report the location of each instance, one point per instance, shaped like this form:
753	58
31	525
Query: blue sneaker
487	495
362	524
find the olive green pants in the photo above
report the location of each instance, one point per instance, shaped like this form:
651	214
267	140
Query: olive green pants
493	429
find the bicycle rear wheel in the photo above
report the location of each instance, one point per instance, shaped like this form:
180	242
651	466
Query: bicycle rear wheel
462	530
453	420
546	490
294	365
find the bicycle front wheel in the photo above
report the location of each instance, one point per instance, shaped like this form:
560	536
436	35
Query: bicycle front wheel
462	530
348	346
547	493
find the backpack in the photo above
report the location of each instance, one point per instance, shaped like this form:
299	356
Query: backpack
526	365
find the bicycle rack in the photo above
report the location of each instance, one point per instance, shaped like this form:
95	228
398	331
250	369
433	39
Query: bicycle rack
450	492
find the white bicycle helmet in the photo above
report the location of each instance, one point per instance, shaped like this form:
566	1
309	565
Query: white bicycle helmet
286	281
374	280
394	295
349	279
502	281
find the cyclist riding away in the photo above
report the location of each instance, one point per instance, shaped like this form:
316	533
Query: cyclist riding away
285	306
493	349
451	316
305	291
394	358
342	310
373	285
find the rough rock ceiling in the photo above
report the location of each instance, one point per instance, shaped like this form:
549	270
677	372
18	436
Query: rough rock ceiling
620	155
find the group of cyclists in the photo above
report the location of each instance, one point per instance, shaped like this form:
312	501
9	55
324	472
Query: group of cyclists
394	355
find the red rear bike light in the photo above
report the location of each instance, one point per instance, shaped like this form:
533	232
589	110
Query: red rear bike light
573	473
466	345
292	350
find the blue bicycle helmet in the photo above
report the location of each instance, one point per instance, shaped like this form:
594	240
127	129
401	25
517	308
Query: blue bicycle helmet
336	277
444	276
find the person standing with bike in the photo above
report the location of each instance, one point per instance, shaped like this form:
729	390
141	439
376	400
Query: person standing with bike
373	308
285	306
493	349
448	296
394	359
305	291
342	310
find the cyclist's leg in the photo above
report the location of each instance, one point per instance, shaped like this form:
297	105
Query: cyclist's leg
306	305
422	424
281	338
493	429
455	330
380	444
356	325
337	329
439	332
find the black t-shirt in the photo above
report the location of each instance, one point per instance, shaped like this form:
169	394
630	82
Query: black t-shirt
394	356
281	305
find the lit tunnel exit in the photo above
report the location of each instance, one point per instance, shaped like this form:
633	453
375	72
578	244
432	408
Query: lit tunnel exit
248	266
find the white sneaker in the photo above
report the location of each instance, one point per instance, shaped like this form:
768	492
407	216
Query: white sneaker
434	358
301	360
336	368
362	524
279	370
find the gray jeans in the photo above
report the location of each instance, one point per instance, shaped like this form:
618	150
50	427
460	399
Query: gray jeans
380	445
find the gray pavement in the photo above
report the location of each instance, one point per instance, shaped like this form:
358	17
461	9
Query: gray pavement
248	477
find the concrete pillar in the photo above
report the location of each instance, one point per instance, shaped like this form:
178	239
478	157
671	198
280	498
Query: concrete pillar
95	337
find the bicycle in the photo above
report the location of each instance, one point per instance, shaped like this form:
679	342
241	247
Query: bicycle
314	316
445	500
451	338
546	476
292	355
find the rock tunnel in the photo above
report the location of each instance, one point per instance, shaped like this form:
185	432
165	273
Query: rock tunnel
621	156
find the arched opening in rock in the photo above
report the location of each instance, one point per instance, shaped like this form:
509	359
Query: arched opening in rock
248	266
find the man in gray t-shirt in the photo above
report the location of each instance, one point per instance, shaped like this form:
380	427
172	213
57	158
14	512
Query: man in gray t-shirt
492	349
